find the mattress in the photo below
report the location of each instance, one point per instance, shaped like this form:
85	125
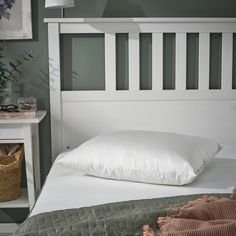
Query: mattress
66	188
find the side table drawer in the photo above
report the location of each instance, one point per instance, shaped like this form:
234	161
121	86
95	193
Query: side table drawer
11	131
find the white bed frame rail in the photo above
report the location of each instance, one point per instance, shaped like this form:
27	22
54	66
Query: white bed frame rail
79	115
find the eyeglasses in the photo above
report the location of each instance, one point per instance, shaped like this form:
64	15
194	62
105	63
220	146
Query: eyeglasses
9	108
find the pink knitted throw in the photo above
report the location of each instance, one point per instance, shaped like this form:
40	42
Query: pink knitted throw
207	216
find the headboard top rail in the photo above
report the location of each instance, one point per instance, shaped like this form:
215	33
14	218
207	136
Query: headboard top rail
142	20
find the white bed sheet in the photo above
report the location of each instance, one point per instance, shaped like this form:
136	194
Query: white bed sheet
66	188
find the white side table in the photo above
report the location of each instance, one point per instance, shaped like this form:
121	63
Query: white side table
23	130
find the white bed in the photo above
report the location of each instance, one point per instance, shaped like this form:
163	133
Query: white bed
77	116
66	188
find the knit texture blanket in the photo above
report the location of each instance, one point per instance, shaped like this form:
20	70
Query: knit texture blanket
112	219
206	216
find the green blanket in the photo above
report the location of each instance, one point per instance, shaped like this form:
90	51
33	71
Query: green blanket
114	219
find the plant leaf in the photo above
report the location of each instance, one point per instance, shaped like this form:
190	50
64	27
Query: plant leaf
12	65
29	55
25	58
18	71
19	62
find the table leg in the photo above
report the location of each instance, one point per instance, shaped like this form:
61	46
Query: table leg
36	158
28	146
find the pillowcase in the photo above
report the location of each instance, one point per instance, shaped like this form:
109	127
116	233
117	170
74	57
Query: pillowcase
143	156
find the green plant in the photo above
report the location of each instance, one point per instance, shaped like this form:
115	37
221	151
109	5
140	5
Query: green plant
9	70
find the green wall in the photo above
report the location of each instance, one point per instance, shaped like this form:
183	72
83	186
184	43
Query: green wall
35	77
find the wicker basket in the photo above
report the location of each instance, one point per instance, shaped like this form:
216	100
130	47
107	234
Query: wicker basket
10	175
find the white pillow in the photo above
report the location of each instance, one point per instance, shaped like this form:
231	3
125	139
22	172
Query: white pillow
143	156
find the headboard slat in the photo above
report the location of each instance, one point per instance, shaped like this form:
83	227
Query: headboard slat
227	61
204	61
134	61
181	62
157	61
110	62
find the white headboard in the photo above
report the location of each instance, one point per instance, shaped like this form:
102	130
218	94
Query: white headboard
77	116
